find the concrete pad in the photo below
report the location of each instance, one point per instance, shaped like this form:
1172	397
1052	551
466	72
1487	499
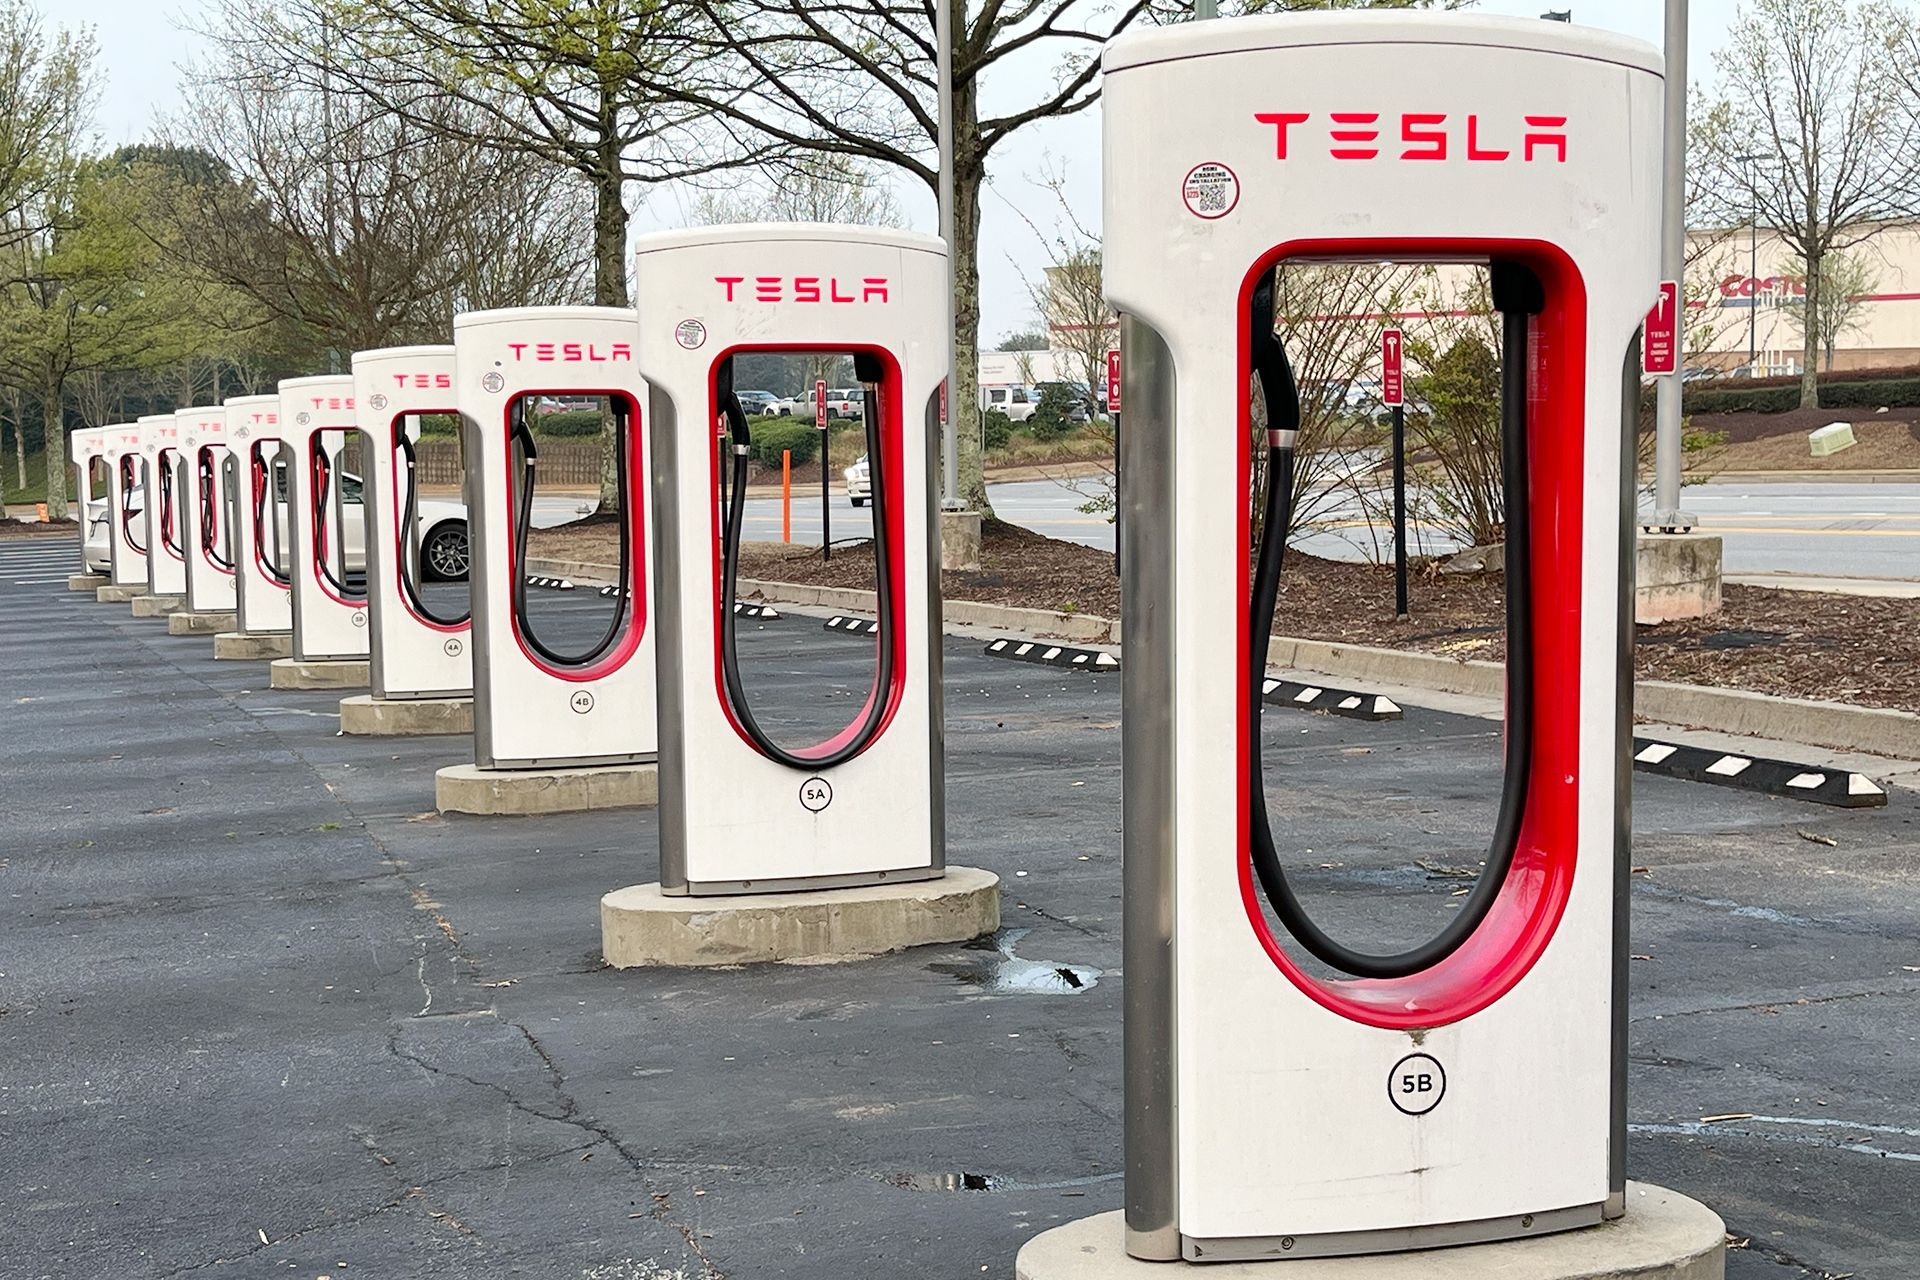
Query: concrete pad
182	623
405	717
111	594
1677	575
1665	1236
341	673
467	788
641	926
239	645
960	541
144	606
88	582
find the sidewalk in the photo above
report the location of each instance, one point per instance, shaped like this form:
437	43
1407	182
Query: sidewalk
1887	588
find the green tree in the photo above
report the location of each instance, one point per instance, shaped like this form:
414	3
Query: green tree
88	292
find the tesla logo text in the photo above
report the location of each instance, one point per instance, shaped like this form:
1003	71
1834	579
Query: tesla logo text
423	381
570	352
332	402
269	419
804	288
1414	135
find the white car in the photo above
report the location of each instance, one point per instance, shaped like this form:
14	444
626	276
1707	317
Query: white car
445	554
1018	403
859	483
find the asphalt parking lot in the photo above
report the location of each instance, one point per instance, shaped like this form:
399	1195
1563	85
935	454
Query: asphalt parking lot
263	1013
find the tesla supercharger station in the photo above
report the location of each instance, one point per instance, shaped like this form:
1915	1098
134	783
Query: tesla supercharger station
264	602
539	703
318	422
127	526
165	535
87	448
206	509
740	810
416	651
1287	1095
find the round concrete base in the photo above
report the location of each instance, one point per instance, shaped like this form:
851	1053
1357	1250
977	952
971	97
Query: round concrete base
145	606
641	926
331	673
183	623
124	594
405	717
466	788
239	646
87	582
1665	1236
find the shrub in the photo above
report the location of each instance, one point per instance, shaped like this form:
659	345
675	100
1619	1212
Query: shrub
555	426
773	436
997	428
1856	389
1049	420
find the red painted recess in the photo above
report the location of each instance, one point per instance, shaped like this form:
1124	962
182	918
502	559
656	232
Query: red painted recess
1522	921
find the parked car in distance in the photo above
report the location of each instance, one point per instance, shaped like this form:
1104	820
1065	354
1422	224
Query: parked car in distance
1080	407
1018	403
859	482
547	405
757	404
846	402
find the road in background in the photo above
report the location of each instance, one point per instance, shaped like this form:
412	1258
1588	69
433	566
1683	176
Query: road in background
1821	529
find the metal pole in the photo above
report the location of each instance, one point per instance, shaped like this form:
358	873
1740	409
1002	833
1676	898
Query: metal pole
1667	516
1399	511
949	438
826	497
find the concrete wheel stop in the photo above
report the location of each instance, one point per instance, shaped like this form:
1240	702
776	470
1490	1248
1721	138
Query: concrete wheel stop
88	582
641	926
239	645
1664	1236
321	673
183	623
145	606
123	594
467	788
367	715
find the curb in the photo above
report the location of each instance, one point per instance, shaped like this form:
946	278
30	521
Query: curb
1783	778
1053	655
1833	725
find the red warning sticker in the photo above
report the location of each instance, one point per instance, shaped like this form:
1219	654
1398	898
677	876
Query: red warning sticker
1211	190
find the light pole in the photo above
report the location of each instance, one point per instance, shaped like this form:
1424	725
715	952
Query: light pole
1667	516
1753	265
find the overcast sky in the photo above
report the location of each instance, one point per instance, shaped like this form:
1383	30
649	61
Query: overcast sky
143	44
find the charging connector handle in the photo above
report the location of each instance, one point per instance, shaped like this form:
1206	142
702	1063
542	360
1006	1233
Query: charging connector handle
857	737
1518	296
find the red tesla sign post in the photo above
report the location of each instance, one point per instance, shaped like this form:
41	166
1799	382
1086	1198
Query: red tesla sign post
826	497
1661	351
1393	393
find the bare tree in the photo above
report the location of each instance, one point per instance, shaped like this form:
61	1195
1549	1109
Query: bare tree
858	78
1847	280
1827	88
355	226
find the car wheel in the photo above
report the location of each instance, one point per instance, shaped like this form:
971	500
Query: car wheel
445	557
858	502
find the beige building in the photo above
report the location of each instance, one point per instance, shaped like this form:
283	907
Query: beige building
1746	293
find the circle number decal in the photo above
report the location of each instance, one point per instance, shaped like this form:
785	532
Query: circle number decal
1210	191
360	618
493	382
816	794
581	702
377	400
690	334
454	648
1416	1084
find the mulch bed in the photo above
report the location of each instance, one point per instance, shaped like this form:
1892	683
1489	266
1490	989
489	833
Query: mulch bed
1799	644
11	528
1741	427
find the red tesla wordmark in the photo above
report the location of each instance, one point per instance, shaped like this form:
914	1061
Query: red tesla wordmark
1355	135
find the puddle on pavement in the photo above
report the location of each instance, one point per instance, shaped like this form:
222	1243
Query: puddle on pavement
999	971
